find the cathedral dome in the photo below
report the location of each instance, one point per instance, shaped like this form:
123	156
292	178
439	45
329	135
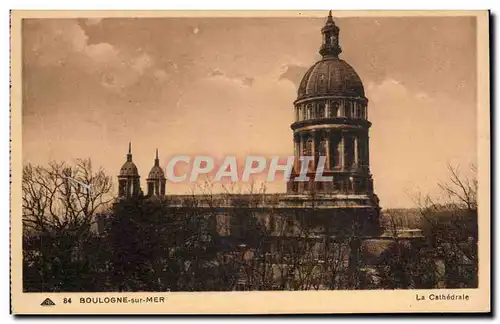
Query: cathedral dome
129	169
156	173
331	76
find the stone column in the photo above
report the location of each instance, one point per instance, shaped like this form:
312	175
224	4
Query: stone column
356	153
301	149
313	148
342	150
328	156
296	140
367	151
362	151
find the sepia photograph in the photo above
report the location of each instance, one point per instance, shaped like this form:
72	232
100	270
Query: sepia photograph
165	155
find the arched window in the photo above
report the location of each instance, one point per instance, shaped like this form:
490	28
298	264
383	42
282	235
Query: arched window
308	147
348	151
322	150
123	185
320	110
359	110
333	109
347	109
322	146
336	151
151	189
361	113
309	111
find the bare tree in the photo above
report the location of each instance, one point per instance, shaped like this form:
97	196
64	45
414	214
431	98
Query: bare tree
461	191
60	252
450	223
290	251
62	197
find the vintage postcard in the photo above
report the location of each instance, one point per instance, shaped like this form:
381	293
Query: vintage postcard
250	162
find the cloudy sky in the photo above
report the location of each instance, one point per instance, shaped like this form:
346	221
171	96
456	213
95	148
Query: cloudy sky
221	86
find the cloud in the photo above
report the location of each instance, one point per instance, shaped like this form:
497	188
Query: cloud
48	43
141	63
215	73
294	73
412	130
101	53
93	21
218	76
173	65
64	43
225	118
248	81
388	87
422	96
160	75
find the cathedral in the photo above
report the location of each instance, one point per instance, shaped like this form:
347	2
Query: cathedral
331	125
331	129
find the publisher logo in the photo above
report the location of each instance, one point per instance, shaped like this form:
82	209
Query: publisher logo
47	302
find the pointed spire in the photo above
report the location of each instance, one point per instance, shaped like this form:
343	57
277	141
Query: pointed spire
330	18
157	161
129	155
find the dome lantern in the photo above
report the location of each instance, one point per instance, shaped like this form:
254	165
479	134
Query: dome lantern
330	46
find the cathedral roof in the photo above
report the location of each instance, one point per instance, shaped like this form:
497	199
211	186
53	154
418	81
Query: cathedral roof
129	168
331	75
156	173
